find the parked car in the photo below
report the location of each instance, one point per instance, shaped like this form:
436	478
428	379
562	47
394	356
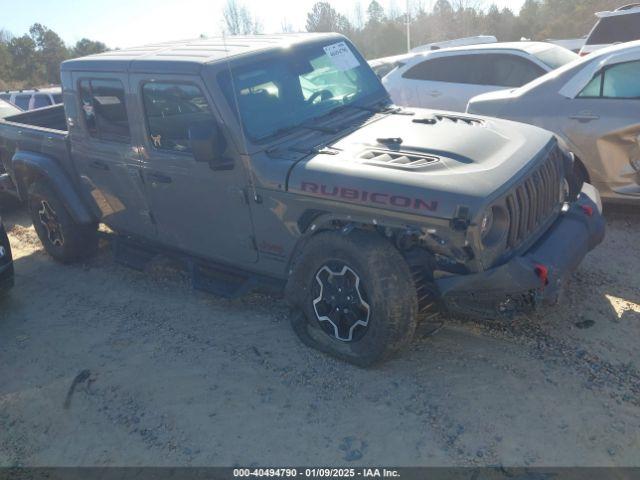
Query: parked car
32	99
382	66
458	42
619	26
593	105
447	79
7	109
280	162
6	262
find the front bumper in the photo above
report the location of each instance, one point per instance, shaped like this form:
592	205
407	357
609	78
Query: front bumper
536	277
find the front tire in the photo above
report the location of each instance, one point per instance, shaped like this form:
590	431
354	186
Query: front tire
354	297
64	239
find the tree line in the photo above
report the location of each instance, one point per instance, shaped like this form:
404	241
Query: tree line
378	32
33	59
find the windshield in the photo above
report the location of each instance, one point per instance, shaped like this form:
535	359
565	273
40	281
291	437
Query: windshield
554	56
297	86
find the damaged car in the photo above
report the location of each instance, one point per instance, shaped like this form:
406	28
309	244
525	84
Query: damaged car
279	162
592	105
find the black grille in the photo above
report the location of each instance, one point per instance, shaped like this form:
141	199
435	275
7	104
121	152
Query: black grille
534	201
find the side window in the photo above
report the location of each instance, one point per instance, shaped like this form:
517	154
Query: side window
593	88
621	81
617	81
171	110
451	69
41	100
505	70
104	111
22	101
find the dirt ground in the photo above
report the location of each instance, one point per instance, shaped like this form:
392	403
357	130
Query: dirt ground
169	376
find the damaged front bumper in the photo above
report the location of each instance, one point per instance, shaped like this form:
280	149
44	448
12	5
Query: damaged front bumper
536	277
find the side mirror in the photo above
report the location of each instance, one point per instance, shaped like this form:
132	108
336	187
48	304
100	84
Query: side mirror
208	145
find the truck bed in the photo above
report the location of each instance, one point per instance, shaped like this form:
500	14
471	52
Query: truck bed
42	131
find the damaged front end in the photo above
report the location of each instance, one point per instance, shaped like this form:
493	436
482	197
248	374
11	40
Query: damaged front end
535	277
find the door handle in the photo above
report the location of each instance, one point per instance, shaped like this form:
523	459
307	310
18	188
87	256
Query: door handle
585	116
159	178
435	93
99	165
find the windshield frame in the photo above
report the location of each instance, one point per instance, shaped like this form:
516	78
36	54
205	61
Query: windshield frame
378	95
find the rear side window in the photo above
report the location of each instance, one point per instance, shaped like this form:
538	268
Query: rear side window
57	98
171	110
41	100
5	96
615	29
104	110
453	69
508	70
22	101
618	81
502	70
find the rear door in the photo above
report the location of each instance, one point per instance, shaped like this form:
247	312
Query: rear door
603	121
197	209
104	156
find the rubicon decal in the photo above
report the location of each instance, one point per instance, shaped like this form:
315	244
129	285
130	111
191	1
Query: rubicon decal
364	196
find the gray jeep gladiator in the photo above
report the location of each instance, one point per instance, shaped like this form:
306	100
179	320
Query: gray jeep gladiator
279	162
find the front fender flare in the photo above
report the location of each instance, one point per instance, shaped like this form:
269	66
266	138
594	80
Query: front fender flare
29	166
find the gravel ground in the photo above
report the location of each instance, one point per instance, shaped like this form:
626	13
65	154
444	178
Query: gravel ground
168	376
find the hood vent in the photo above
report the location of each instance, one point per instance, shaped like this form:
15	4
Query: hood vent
399	160
459	119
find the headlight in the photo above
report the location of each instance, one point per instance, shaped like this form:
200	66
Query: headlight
494	226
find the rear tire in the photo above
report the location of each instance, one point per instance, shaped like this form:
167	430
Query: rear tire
62	238
375	314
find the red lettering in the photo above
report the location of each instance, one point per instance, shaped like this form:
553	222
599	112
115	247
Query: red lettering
398	201
422	205
309	187
349	193
375	196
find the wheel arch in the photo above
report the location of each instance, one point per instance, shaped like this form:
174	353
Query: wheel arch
29	167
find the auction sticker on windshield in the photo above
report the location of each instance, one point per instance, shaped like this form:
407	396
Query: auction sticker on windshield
341	56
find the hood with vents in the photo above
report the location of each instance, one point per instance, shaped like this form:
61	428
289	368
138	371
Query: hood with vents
439	159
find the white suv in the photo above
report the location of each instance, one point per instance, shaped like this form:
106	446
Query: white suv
32	99
620	26
447	79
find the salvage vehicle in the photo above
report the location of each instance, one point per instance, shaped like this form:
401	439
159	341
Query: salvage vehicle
447	79
279	162
613	27
6	262
592	105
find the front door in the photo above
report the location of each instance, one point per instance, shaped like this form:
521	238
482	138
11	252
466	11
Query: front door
106	160
197	209
603	122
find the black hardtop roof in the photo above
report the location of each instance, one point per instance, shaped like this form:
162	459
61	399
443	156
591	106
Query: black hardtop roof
188	56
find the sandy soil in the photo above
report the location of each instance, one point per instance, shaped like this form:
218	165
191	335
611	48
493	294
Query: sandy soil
170	376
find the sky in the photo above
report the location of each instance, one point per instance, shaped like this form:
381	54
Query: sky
127	23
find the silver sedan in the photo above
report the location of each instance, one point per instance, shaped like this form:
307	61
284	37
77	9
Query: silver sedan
593	105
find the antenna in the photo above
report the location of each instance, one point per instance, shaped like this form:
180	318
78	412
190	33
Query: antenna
236	104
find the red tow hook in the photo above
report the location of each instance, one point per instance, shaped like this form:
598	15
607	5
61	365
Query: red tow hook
543	274
588	210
